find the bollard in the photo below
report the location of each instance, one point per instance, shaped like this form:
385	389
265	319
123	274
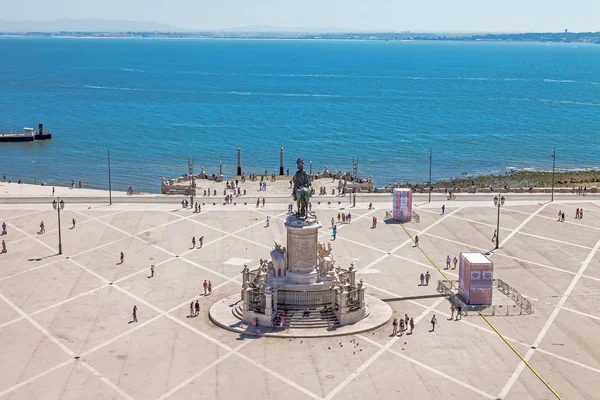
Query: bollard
245	203
328	202
244	192
224	192
215	192
235	203
205	192
333	192
203	203
214	204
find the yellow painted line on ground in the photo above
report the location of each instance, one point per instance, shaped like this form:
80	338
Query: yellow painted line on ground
488	321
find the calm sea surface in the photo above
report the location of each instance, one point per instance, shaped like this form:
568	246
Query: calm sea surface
482	107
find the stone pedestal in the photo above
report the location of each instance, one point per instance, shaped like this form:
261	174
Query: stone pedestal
302	240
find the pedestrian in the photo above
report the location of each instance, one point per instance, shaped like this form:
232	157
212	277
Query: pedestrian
201	240
452	308
427	277
458	312
79	184
416	240
349	217
559	214
205	286
42	227
395	327
196	208
581	213
374	222
332	222
192	309
339	218
443	209
4	247
182	203
433	322
448	261
563	217
343	218
406	319
422	278
334	232
209	288
370	206
4	228
72	183
152	270
193	242
257	202
52	190
73	227
197	306
135	314
268	220
577	213
401	326
455	261
412	325
263	201
122	257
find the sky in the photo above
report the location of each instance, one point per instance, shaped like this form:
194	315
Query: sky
359	15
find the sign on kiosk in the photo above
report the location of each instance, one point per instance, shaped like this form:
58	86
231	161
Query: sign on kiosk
402	204
475	278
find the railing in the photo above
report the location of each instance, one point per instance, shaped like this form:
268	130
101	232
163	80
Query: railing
312	299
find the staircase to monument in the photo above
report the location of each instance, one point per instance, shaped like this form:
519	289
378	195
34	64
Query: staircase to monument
294	319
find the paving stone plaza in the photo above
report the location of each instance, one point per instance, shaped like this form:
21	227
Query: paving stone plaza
66	320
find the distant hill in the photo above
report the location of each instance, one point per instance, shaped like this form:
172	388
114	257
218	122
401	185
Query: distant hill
86	25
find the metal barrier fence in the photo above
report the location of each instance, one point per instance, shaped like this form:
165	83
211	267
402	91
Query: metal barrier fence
521	306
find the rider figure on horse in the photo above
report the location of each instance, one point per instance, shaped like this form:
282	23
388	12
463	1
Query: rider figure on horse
302	189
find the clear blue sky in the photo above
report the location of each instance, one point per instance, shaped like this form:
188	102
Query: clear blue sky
421	15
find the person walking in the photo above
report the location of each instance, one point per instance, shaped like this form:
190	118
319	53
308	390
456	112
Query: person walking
122	257
73	227
152	270
349	218
448	261
559	215
406	320
443	209
52	190
422	278
135	314
339	216
343	218
197	306
416	241
433	322
193	242
264	198
581	213
395	327
427	277
577	213
257	202
268	220
192	309
412	325
42	227
205	286
458	313
454	261
334	232
201	241
562	219
452	308
4	247
4	228
374	222
332	222
209	288
401	326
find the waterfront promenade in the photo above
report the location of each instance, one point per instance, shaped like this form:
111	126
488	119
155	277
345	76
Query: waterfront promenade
65	321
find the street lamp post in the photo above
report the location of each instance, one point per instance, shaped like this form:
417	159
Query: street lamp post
109	182
58	205
430	160
553	155
499	202
310	162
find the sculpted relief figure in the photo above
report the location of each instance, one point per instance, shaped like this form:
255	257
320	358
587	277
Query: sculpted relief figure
302	189
278	258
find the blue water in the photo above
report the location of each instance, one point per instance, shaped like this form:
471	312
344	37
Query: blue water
483	107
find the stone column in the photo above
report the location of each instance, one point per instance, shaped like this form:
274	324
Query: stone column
281	161
239	162
268	304
302	240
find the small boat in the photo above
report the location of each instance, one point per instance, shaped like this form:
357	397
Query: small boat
28	135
